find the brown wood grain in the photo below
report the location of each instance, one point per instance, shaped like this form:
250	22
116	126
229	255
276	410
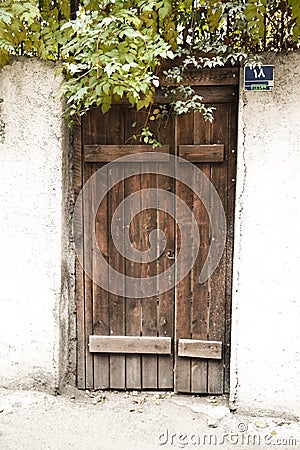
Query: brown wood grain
79	285
210	94
100	296
217	279
133	309
115	133
166	299
98	133
200	349
149	304
93	130
202	153
201	292
183	297
209	77
88	285
130	344
108	153
166	223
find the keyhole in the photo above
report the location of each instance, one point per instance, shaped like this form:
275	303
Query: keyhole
170	254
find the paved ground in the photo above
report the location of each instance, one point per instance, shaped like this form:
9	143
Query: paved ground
132	421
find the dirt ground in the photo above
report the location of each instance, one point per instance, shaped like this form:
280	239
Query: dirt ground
78	420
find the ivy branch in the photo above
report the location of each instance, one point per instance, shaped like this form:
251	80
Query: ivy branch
112	49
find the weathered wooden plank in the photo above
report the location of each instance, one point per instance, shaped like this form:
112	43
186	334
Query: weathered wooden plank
133	269
93	130
195	348
217	280
149	304
88	290
210	94
108	153
202	153
165	301
94	127
130	344
79	286
184	131
115	133
208	77
100	296
201	292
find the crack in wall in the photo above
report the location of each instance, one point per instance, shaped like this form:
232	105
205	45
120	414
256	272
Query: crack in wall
240	201
2	124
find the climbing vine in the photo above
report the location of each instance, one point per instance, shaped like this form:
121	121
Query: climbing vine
111	49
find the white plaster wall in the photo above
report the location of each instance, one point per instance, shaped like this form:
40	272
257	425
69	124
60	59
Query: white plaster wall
31	159
265	373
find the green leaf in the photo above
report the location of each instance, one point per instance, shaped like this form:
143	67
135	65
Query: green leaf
140	104
59	71
106	88
105	107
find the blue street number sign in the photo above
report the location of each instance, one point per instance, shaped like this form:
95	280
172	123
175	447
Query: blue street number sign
259	78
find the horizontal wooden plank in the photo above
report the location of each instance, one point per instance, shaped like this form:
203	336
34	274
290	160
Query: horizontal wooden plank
209	94
202	153
195	348
208	77
108	153
130	344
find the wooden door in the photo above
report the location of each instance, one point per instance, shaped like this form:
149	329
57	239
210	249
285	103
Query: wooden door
178	339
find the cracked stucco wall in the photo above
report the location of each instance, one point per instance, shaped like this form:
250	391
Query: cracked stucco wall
265	364
34	198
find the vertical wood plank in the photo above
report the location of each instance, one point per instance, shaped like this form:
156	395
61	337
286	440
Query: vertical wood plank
93	131
149	304
184	288
100	296
116	303
166	299
89	372
217	280
133	269
115	135
133	305
165	131
200	291
79	285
